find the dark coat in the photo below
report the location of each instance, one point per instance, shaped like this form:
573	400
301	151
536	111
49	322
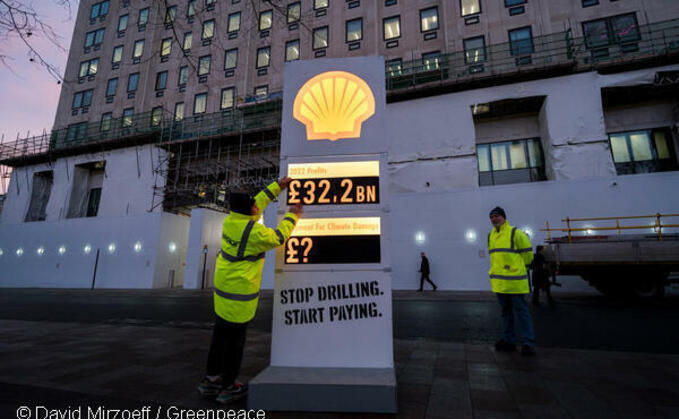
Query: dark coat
424	266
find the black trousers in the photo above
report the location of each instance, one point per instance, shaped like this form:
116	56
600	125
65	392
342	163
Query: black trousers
425	277
226	350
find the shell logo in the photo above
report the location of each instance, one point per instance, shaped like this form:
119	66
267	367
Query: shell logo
334	105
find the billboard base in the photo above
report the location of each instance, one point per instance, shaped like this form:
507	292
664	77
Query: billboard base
324	390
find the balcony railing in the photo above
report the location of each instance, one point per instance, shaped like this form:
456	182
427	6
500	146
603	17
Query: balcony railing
489	61
557	51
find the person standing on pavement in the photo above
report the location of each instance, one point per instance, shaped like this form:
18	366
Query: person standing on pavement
510	252
238	276
540	276
424	270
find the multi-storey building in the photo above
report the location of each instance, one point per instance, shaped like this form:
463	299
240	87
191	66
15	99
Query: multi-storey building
168	104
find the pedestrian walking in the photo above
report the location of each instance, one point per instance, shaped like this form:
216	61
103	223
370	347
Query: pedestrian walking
424	271
238	277
541	274
510	252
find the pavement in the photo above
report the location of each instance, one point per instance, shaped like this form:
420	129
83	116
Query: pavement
69	366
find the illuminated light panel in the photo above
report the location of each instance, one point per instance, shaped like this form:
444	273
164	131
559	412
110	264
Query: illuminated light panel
334	169
172	247
87	249
351	226
334	105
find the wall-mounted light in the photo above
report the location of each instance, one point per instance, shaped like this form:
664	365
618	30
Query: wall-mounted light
1	252
62	250
112	248
20	252
87	249
420	238
137	247
589	230
172	247
40	251
470	236
528	231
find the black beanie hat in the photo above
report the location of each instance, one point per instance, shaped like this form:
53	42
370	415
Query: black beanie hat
498	211
241	202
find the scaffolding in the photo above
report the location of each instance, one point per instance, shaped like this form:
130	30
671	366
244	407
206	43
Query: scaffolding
211	154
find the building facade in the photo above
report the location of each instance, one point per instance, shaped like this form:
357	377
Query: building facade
549	108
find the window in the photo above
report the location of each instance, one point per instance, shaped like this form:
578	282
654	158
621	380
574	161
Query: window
138	49
40	194
611	30
643	151
227	98
105	123
200	103
320	38
76	131
111	87
474	50
263	57
234	22
510	162
320	4
261	92
94	38
132	82
87	181
394	67
161	80
93	199
208	29
88	68
470	7
82	99
430	60
188	41
265	20
143	17
179	111
99	10
122	23
156	116
183	75
510	3
170	14
191	9
587	3
117	54
166	47
292	50
126	120
521	41
294	12
354	30
204	65
429	19
230	59
392	28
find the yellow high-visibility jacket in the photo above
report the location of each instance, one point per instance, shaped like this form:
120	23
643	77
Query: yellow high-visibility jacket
510	251
238	274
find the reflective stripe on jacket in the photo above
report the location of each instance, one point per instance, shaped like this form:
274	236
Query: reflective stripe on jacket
238	274
510	251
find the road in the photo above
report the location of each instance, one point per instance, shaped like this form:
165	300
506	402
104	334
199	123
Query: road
578	321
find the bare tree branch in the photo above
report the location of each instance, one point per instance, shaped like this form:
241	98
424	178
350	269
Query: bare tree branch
19	20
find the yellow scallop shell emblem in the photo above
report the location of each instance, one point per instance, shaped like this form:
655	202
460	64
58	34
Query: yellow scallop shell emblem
334	105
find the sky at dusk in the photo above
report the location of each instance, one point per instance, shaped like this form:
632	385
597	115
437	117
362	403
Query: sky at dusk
29	93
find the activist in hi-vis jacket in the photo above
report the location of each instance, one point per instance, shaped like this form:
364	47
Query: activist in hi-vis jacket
238	274
510	251
238	277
